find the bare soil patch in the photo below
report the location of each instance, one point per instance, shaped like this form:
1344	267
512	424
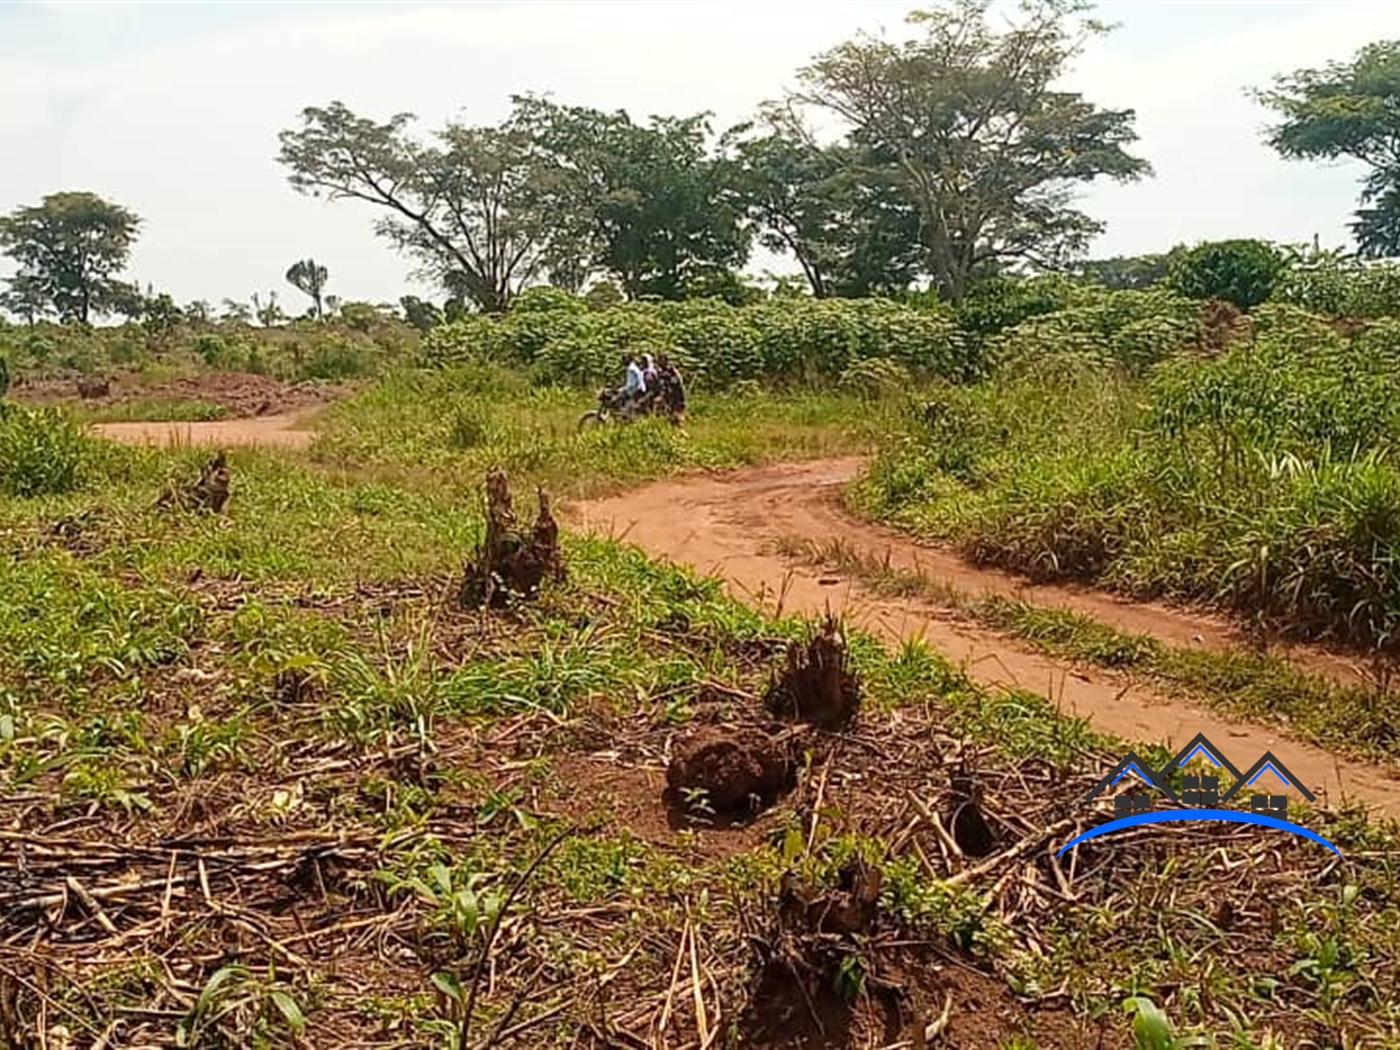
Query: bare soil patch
242	395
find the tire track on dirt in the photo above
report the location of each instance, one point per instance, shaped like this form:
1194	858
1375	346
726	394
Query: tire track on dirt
731	525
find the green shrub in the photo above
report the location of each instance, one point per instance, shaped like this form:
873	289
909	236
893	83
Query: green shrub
1342	287
1131	328
716	344
41	451
336	357
996	304
1242	272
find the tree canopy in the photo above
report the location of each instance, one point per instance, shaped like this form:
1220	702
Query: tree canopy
965	122
69	250
1348	110
310	277
475	207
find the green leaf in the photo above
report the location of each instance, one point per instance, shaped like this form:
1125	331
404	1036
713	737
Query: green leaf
449	986
212	986
289	1009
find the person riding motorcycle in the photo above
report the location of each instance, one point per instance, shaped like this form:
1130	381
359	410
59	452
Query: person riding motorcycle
670	388
634	388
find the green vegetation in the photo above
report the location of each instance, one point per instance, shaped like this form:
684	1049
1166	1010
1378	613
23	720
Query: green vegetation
1347	718
285	695
1256	479
269	782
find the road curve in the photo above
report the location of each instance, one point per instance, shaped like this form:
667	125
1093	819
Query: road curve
732	525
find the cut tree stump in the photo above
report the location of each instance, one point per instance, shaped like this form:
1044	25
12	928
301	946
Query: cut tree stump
511	563
210	492
817	685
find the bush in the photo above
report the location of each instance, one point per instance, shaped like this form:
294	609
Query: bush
998	303
336	358
1129	329
714	343
1342	287
41	451
1242	272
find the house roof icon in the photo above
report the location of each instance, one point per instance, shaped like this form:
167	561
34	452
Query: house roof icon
1130	763
1199	745
1267	763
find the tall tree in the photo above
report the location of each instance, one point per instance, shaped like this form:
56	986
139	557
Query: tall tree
1348	110
648	201
964	119
25	298
69	250
474	207
787	187
309	277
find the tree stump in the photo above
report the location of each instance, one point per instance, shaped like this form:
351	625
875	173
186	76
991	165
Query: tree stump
511	563
816	685
210	492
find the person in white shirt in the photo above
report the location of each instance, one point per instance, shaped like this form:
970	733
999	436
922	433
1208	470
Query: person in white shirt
634	387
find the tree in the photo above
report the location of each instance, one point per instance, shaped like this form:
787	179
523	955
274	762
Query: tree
268	313
421	314
1348	110
644	203
235	311
1240	271
25	298
847	227
966	124
69	250
307	276
475	208
787	188
1126	271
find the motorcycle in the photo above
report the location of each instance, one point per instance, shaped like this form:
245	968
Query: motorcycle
616	407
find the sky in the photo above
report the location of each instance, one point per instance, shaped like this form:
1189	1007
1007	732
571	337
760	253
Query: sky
173	109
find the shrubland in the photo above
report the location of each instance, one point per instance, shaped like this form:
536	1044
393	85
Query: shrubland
1149	443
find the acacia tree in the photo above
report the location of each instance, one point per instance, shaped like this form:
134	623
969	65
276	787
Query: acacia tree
69	250
309	277
785	184
474	207
1348	110
647	204
846	225
965	122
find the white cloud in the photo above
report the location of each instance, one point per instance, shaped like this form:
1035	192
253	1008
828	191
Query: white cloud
184	130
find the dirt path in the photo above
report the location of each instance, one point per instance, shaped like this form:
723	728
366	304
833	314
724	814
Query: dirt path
282	431
731	526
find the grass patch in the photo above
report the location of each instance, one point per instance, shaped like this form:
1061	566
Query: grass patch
450	426
1354	719
152	410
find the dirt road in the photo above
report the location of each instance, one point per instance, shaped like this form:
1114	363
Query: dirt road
282	431
733	525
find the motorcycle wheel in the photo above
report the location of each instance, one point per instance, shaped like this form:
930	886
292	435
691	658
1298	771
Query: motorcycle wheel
591	420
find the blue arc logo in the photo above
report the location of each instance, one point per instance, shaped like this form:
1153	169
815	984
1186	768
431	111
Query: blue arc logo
1234	815
1200	796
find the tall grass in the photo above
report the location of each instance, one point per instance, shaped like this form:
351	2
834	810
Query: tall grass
454	423
1262	481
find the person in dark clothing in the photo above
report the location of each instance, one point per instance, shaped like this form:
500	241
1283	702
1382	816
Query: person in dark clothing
672	388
